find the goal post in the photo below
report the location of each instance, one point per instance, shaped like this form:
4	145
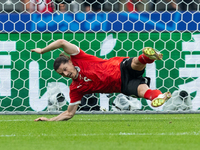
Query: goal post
28	82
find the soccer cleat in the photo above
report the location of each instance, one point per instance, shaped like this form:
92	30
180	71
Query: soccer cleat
161	99
152	54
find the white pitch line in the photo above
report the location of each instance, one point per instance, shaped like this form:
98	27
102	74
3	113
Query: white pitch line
108	134
15	120
14	135
135	134
82	119
92	119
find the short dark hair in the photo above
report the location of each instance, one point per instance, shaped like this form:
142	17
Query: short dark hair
61	59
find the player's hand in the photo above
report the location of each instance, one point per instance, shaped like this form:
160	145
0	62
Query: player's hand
37	50
42	119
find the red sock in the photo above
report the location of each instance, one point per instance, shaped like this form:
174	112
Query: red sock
144	59
151	94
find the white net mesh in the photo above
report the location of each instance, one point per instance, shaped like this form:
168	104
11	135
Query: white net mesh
105	28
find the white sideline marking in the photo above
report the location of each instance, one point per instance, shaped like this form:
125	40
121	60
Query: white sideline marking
15	120
144	134
82	119
134	119
14	135
107	134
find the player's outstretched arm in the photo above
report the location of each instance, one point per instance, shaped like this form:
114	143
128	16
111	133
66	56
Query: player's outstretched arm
66	115
65	45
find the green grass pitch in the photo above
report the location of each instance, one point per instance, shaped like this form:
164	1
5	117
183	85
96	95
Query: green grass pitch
102	132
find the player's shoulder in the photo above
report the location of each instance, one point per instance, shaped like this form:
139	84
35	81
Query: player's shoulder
79	53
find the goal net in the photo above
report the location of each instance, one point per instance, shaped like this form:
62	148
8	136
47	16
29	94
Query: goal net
104	28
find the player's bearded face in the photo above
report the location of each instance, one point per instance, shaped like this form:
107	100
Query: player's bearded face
67	70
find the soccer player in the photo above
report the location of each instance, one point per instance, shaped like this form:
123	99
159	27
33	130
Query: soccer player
91	74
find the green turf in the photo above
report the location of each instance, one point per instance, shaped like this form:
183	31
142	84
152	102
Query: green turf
102	132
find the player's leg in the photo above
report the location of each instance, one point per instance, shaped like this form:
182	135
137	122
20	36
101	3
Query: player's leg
148	56
133	84
156	97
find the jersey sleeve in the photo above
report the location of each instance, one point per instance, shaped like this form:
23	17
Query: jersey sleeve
75	96
77	51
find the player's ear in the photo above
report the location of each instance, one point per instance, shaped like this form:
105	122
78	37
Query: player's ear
70	62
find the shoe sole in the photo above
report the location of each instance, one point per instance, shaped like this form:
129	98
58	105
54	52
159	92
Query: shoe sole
152	54
160	101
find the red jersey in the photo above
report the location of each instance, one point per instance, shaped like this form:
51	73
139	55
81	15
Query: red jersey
96	75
